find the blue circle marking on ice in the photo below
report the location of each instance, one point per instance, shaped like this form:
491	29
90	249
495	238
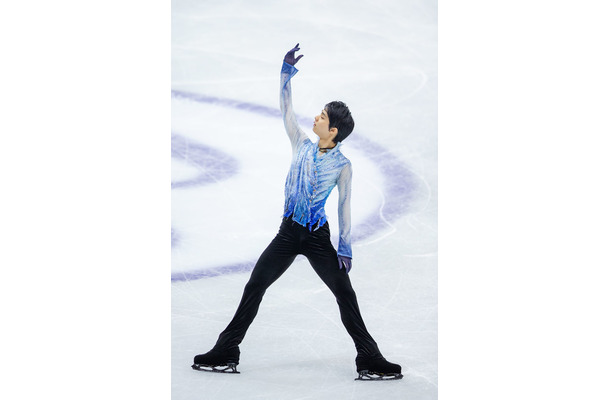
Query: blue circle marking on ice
398	181
213	164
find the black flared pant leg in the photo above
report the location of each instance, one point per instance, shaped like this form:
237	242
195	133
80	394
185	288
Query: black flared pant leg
323	258
274	261
291	240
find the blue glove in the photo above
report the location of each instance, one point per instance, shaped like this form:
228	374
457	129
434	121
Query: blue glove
289	57
345	262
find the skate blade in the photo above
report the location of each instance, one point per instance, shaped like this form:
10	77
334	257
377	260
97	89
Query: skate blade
230	368
377	376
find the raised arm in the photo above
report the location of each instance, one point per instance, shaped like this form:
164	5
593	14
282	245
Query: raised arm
295	133
344	184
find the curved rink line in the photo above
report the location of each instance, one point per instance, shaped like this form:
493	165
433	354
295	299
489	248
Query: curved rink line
213	165
397	187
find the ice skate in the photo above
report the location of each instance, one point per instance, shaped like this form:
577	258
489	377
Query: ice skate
216	360
376	369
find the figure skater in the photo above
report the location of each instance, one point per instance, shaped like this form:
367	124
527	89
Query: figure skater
315	170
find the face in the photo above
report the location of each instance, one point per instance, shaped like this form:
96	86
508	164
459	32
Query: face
320	126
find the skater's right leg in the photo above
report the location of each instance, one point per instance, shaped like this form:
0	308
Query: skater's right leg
273	262
217	358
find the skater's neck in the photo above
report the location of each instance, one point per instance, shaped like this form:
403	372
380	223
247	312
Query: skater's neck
326	144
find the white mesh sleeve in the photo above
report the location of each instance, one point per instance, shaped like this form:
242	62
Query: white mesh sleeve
344	184
294	131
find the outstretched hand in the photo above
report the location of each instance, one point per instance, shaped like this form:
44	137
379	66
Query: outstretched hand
289	57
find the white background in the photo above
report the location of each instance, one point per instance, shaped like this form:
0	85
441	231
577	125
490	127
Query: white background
86	205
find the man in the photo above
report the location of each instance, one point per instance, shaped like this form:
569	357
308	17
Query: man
315	170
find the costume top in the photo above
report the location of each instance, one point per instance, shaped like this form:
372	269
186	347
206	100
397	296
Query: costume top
312	175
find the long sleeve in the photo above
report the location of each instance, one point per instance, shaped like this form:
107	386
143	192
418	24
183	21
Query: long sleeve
295	133
344	184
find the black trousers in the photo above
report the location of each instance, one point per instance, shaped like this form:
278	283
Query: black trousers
291	240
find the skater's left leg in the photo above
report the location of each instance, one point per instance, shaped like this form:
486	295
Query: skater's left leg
323	258
370	364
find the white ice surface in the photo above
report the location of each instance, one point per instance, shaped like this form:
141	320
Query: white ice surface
380	58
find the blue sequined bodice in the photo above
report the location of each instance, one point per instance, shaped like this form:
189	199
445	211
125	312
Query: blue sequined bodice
313	175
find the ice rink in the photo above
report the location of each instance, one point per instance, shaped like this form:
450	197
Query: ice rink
102	108
230	156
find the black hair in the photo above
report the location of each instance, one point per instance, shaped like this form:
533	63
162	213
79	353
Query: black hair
339	117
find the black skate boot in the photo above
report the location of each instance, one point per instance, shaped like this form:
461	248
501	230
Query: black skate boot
218	360
376	369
